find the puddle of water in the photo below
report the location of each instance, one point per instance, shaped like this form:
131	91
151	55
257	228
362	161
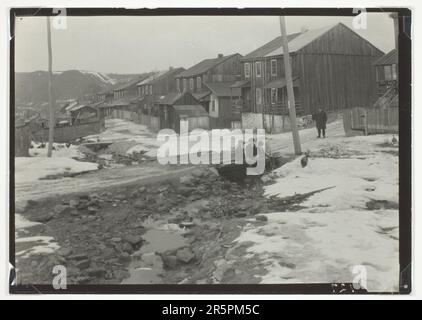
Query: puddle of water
147	270
161	241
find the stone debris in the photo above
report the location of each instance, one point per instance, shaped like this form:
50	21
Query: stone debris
185	255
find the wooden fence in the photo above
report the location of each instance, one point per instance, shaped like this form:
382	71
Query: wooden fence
371	120
70	133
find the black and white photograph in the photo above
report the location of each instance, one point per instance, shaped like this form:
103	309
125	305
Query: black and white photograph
210	150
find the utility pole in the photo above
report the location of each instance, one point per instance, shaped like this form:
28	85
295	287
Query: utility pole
50	92
394	16
290	92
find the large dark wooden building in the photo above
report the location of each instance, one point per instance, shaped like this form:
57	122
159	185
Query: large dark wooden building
332	69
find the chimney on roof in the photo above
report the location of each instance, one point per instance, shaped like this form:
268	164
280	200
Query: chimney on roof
220	55
304	29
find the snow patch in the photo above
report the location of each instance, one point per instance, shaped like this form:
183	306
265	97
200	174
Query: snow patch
31	169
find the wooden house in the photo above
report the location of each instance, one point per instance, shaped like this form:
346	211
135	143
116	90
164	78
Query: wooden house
223	113
124	101
153	87
219	69
176	107
386	72
105	95
386	69
332	69
209	81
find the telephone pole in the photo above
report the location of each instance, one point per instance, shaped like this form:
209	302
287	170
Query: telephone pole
290	92
51	121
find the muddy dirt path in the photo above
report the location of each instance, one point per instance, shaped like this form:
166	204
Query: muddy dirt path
88	182
180	230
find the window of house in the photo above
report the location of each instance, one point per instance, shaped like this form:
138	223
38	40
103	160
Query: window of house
198	82
192	84
387	72
258	69
394	72
150	89
185	86
380	73
247	70
213	105
178	84
274	67
258	96
273	95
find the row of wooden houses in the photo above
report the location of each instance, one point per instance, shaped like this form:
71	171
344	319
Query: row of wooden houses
333	68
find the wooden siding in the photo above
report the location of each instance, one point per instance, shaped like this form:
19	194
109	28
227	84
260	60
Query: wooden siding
70	133
229	70
341	40
371	120
335	72
225	114
336	82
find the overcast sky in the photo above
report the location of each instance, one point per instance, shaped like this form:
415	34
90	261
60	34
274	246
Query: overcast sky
140	44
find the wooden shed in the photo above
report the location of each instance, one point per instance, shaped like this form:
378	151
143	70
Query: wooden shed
176	107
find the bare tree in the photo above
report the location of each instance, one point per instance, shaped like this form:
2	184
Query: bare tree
50	92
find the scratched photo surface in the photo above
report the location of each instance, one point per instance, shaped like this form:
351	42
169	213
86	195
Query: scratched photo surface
206	150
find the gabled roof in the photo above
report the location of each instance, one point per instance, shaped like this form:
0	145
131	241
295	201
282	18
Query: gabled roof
204	66
301	40
168	73
147	80
160	75
268	47
241	84
169	98
201	95
130	84
222	89
82	106
296	41
388	59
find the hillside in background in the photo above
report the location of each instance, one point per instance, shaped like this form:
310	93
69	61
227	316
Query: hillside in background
71	84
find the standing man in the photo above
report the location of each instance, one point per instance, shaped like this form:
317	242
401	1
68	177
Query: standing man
321	122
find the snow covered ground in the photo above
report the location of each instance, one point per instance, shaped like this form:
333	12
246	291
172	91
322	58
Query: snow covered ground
336	231
124	130
31	169
61	150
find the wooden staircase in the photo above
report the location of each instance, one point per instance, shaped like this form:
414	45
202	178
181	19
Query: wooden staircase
389	99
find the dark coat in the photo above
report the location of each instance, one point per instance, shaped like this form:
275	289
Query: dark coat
320	119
